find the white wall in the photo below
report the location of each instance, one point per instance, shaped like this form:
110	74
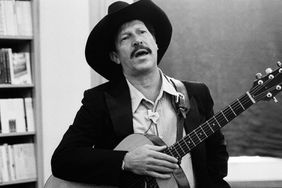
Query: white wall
64	27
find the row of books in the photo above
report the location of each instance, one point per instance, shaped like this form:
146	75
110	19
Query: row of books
17	162
15	18
16	115
14	67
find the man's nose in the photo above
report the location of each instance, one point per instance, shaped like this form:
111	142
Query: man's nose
137	42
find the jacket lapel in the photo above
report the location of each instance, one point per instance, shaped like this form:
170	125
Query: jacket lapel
119	104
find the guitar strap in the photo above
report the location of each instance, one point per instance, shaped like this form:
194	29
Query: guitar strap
181	105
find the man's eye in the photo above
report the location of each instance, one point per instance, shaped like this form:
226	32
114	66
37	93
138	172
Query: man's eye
143	31
124	38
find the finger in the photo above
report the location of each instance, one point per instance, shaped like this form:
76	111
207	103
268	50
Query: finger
159	175
156	148
160	169
163	156
163	163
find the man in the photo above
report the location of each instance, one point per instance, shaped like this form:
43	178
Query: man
125	47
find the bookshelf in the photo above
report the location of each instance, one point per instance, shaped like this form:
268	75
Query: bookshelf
21	38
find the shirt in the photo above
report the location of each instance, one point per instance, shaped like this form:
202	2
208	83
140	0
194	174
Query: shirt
159	118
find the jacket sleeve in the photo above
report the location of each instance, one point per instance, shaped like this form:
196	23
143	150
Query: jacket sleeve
81	155
217	155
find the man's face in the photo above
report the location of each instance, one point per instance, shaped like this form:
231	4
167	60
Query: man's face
136	49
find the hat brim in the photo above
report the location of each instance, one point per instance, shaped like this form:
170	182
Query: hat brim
100	40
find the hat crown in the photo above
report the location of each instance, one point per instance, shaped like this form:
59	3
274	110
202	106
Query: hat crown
116	6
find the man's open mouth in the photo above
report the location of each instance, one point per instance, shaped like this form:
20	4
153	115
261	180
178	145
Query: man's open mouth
141	53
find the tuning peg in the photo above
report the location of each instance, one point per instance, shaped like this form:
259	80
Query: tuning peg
275	100
268	70
258	75
279	64
269	95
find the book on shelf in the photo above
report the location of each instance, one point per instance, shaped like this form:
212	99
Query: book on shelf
25	166
15	18
11	162
2	20
3	71
12	115
5	62
14	67
4	172
29	116
20	68
7	58
17	162
16	115
23	17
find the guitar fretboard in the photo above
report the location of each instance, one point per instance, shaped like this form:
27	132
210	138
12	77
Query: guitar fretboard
201	133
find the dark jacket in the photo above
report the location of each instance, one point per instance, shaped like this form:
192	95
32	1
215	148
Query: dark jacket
86	154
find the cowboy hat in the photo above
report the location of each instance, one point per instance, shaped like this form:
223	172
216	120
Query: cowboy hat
101	39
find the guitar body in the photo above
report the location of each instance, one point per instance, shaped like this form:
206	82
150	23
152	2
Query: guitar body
129	143
54	182
135	140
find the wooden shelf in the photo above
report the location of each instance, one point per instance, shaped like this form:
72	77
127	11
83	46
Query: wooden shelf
5	86
17	134
16	91
31	180
12	37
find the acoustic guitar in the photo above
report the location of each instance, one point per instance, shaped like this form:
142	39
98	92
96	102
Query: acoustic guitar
264	88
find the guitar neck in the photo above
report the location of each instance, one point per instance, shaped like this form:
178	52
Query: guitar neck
216	122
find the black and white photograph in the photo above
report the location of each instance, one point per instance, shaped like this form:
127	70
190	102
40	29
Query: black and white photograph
140	94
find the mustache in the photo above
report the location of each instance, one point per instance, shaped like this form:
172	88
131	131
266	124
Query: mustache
139	47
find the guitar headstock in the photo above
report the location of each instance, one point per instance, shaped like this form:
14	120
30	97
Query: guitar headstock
268	86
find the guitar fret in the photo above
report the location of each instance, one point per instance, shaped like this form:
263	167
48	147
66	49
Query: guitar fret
197	135
200	133
180	147
204	131
224	116
241	104
191	140
210	126
232	110
187	144
169	150
216	121
177	152
172	151
188	141
251	98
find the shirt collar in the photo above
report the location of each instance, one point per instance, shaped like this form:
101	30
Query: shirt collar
137	96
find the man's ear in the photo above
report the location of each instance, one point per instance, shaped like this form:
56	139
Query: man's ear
114	57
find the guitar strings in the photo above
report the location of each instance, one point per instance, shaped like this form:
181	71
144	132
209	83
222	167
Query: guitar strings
196	139
217	119
245	100
224	117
